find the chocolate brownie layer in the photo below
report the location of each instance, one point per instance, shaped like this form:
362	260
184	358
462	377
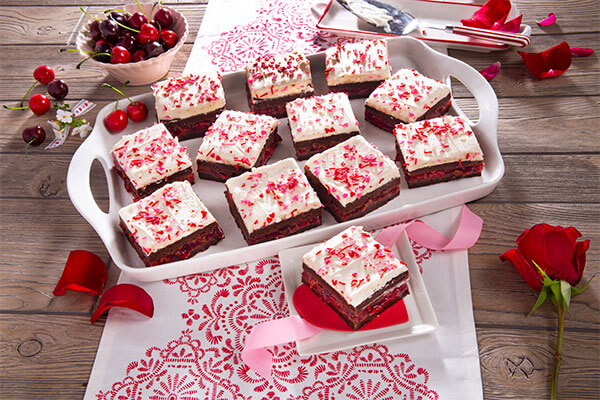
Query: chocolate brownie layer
180	250
388	122
291	226
221	172
356	90
307	148
183	175
359	207
274	107
192	127
441	173
356	317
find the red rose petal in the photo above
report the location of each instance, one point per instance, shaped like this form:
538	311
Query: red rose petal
531	245
499	23
490	72
314	310
549	20
84	272
560	253
548	63
580	250
528	271
513	26
491	12
125	295
581	51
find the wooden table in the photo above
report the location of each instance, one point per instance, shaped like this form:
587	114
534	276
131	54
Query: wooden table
548	133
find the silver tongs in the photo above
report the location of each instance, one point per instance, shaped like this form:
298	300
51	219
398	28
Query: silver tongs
397	22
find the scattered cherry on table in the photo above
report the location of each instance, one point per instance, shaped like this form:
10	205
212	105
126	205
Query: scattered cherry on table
58	89
43	74
39	104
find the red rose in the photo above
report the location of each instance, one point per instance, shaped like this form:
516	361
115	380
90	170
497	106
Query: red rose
554	249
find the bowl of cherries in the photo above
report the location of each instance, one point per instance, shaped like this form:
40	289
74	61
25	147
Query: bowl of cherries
136	43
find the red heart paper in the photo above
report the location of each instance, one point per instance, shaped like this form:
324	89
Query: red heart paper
314	310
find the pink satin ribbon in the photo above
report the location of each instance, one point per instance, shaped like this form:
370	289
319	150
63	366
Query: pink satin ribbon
294	328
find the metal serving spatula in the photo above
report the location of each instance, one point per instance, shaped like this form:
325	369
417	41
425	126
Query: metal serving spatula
397	22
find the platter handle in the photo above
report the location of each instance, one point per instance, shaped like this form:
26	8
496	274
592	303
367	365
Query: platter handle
78	184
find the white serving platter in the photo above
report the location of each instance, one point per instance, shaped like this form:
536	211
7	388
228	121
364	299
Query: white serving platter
411	203
334	18
421	317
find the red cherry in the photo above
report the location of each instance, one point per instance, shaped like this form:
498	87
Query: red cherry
44	74
39	104
168	38
148	33
34	136
164	17
116	121
138	55
120	55
137	111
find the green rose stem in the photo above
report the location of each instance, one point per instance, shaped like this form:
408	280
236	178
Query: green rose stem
558	354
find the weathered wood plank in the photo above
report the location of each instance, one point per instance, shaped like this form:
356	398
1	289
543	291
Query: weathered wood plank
53	3
522	126
53	25
517	364
59	353
532	178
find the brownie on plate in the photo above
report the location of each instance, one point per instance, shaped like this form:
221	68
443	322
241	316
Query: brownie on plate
320	122
357	68
188	105
353	178
150	158
355	275
274	79
437	150
408	96
171	224
236	142
273	201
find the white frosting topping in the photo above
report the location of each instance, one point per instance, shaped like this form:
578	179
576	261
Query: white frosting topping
407	95
357	62
354	264
278	75
150	155
187	96
236	138
352	169
320	116
166	216
437	141
272	193
371	13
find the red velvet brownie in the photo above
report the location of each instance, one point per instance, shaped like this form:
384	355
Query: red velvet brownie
437	150
357	68
320	122
273	201
356	276
150	158
236	142
188	105
406	97
274	79
353	178
171	224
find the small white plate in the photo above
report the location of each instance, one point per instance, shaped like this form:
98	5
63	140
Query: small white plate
334	18
421	317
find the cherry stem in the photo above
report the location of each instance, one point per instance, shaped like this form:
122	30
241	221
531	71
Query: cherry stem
117	9
89	15
93	55
16	108
141	8
124	26
26	93
27	147
153	5
118	91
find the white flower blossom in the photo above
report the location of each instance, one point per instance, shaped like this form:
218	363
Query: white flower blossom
64	116
55	125
82	130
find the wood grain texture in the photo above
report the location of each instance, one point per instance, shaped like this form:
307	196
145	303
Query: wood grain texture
53	25
548	132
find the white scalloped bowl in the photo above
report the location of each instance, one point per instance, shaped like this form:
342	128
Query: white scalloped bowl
142	72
